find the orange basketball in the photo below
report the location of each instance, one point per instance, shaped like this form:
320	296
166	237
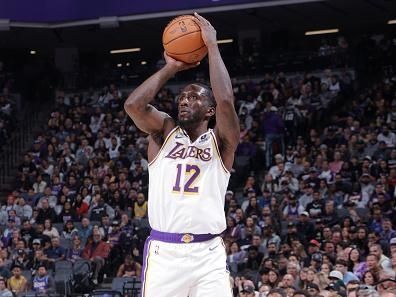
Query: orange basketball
182	40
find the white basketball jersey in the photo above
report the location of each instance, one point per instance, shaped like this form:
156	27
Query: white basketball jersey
187	185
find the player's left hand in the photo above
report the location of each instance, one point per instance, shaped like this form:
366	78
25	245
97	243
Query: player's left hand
207	30
178	65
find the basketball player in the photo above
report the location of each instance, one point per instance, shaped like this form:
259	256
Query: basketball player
189	170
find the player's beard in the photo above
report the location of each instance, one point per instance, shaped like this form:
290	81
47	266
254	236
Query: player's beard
190	122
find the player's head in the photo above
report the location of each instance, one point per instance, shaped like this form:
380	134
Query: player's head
195	104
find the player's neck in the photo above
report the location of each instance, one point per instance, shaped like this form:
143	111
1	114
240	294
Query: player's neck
194	131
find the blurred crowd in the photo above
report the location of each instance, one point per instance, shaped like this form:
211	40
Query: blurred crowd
7	108
7	118
320	219
310	209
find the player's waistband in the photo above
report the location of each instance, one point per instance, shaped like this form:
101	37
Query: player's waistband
180	237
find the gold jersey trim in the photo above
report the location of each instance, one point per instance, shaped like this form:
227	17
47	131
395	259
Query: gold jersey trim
218	151
163	145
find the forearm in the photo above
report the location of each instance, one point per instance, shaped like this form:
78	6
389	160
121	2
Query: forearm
146	92
219	78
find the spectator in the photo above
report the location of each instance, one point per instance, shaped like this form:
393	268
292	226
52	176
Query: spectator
56	252
46	213
86	229
23	210
49	229
304	227
342	266
313	290
17	283
81	206
129	268
20	259
4	271
387	136
273	130
247	289
67	213
355	264
97	252
384	261
75	251
39	185
4	292
43	283
69	231
140	207
98	208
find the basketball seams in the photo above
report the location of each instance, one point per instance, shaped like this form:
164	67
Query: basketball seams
177	20
182	39
181	36
186	52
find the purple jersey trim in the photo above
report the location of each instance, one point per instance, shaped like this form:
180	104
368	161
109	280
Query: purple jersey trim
145	263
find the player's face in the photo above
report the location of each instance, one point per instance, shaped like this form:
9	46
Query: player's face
192	105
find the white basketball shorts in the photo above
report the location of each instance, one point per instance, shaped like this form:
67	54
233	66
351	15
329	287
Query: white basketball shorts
185	269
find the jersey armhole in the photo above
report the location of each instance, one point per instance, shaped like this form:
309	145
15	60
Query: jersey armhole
163	145
218	152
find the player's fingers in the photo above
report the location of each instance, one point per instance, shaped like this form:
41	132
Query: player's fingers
193	65
201	19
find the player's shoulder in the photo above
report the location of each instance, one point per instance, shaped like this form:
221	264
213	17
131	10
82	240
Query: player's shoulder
166	132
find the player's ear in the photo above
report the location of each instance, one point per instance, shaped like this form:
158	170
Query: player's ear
211	111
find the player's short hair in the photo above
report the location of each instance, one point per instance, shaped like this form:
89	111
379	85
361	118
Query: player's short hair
208	92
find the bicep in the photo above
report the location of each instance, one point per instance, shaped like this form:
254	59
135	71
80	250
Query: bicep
148	119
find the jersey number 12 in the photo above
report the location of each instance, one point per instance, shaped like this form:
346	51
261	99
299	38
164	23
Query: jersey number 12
192	172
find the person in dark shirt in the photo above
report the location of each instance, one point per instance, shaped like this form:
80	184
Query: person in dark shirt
21	259
27	168
27	231
56	252
330	217
315	208
313	178
67	213
254	258
46	212
305	228
97	211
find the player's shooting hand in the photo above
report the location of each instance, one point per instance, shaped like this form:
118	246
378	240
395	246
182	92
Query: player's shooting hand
207	30
176	65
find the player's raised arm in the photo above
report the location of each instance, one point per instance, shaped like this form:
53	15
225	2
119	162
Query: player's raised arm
227	123
146	117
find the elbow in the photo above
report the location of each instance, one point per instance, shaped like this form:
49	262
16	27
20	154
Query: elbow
132	106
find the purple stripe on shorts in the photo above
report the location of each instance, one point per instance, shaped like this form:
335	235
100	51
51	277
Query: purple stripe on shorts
180	237
144	266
